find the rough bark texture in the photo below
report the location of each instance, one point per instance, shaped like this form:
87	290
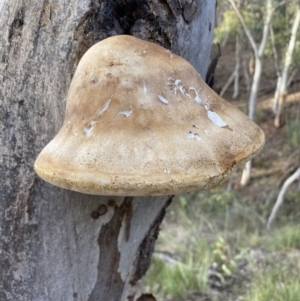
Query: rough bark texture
55	244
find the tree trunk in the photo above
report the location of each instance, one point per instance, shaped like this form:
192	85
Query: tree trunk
246	175
255	87
237	67
281	89
56	244
258	54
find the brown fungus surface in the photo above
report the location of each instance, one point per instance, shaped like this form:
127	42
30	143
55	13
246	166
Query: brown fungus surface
141	121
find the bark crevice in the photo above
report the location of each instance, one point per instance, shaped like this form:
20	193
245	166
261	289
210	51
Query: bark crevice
156	23
109	284
15	32
146	248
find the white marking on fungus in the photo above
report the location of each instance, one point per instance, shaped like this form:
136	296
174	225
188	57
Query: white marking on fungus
94	79
144	51
167	171
177	81
197	98
162	99
103	109
193	136
215	118
205	132
88	128
183	91
177	84
144	88
125	113
170	54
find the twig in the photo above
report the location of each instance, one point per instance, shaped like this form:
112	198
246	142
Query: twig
281	194
246	29
228	83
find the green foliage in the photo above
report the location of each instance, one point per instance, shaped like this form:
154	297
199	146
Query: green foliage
292	132
179	279
276	283
189	273
230	25
296	54
282	23
224	258
284	238
217	199
253	13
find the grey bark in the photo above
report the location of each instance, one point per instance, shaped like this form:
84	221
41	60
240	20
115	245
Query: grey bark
57	244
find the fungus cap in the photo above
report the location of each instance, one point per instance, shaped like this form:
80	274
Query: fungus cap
141	121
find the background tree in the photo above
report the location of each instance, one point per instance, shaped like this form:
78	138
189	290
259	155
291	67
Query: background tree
50	242
285	74
258	51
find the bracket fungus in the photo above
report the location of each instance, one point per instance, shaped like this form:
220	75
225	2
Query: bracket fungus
140	121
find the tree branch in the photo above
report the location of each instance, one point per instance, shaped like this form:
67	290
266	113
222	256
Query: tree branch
266	28
281	3
246	29
275	53
281	194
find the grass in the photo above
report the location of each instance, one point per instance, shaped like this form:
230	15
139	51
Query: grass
180	278
277	283
285	238
216	247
